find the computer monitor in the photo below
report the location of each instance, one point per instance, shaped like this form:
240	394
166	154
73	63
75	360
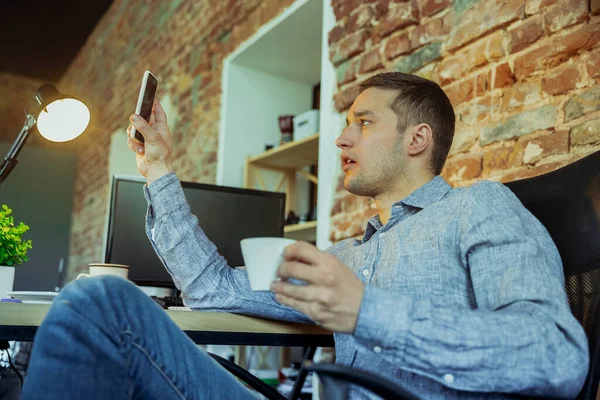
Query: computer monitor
227	215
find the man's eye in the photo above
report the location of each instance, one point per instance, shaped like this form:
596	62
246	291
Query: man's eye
365	122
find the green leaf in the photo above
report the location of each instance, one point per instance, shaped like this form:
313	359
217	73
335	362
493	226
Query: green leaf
13	249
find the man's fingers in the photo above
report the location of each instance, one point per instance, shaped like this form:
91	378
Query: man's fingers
159	112
135	146
150	135
303	251
298	270
298	292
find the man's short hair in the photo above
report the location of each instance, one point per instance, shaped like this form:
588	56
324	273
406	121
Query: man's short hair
419	100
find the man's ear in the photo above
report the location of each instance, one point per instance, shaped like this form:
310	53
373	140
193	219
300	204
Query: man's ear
420	138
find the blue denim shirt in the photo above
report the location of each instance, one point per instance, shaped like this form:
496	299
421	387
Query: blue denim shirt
463	298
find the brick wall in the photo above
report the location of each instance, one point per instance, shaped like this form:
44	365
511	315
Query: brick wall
17	91
183	43
522	75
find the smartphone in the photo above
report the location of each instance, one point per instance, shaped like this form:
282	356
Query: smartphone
145	102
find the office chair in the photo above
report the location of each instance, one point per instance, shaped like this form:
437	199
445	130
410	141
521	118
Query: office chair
567	203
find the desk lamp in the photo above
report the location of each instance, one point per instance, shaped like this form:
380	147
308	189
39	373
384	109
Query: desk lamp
59	118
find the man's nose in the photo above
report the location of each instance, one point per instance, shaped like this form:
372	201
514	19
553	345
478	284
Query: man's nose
344	141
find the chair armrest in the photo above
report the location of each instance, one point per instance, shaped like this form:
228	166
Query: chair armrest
336	380
251	380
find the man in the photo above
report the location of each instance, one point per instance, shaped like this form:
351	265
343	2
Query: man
452	293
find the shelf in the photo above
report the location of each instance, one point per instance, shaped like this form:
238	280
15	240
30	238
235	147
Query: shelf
303	231
293	155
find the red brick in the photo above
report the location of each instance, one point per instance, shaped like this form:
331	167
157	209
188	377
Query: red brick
430	7
581	40
503	158
521	96
397	46
526	34
349	47
561	81
595	7
593	66
535	6
538	148
370	61
342	8
495	46
399	16
504	76
426	33
524	173
381	8
483	83
451	69
476	22
587	132
476	54
349	225
462	167
565	13
337	33
346	72
344	99
360	18
526	64
460	92
560	49
475	112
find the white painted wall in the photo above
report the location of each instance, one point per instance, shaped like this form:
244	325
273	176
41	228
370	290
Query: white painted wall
254	102
329	129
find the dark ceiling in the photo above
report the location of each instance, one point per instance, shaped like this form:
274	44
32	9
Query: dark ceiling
40	38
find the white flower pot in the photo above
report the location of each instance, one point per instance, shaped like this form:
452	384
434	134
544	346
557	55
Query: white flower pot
7	278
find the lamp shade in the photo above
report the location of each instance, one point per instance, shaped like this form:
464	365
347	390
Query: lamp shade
61	118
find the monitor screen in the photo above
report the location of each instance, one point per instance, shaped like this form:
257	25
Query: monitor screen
227	215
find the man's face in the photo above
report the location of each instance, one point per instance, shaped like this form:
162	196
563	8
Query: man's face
372	149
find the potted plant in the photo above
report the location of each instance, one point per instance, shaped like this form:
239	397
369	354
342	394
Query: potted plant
13	250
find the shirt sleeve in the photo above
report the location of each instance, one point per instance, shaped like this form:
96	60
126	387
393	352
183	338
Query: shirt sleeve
206	281
520	338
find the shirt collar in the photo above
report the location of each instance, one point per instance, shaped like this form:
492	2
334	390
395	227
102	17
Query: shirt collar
431	192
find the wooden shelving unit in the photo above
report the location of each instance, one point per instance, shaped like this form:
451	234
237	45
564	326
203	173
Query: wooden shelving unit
286	160
293	155
302	231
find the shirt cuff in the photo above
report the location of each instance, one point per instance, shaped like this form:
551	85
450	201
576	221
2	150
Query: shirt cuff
383	321
164	195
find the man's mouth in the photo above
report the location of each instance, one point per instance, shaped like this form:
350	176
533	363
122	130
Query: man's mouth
347	162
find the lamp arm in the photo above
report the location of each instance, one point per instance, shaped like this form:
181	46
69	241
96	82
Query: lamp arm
11	158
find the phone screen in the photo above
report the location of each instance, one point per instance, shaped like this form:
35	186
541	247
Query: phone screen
147	102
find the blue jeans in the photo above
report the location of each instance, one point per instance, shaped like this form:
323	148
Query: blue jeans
103	338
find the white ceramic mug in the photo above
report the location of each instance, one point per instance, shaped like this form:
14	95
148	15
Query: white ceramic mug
262	256
106	269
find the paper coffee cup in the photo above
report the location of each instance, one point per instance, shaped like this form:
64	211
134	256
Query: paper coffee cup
262	256
106	269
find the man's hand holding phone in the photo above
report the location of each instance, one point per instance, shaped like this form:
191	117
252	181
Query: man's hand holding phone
154	155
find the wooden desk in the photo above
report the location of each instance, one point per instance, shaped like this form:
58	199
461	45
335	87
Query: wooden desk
20	321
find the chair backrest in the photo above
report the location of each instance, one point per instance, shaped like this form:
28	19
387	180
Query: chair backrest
567	202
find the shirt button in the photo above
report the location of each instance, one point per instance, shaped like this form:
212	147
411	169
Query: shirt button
382	236
365	272
449	378
377	349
